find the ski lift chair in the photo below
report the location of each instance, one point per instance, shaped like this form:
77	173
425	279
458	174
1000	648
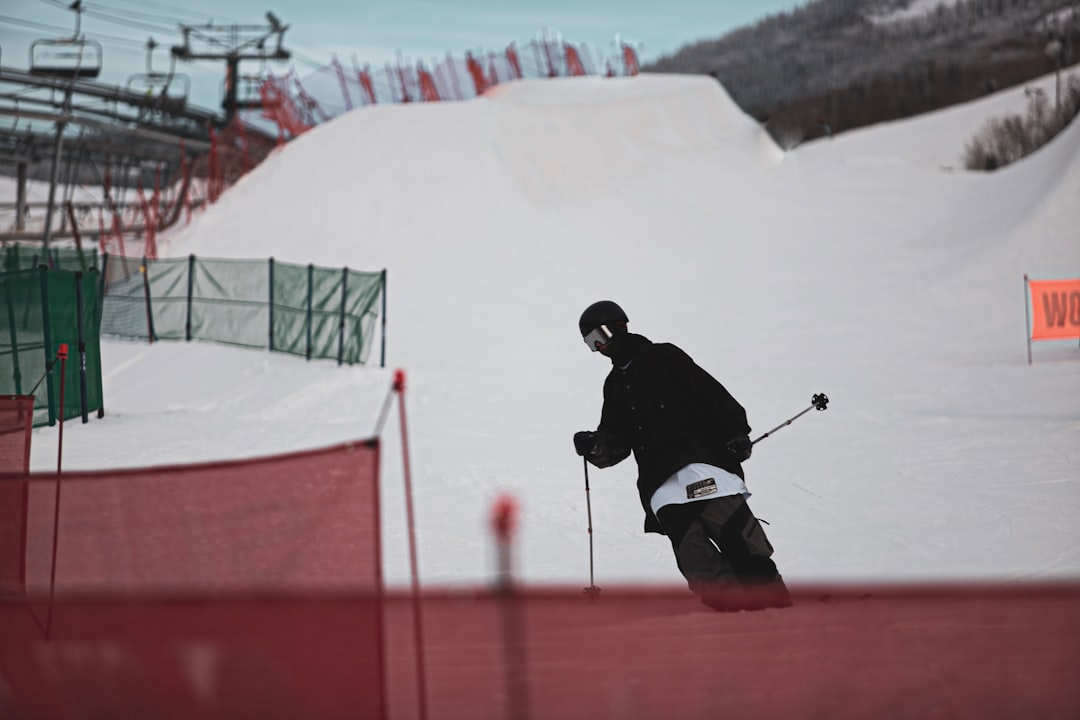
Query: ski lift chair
71	58
162	91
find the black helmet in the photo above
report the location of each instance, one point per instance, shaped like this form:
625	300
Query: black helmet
600	313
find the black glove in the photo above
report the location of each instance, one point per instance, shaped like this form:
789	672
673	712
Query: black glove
584	442
741	447
600	448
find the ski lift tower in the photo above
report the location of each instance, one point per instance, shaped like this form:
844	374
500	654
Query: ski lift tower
233	43
69	59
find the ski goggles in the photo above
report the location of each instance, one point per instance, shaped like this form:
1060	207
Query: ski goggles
599	338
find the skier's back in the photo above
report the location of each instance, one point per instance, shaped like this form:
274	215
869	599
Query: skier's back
689	438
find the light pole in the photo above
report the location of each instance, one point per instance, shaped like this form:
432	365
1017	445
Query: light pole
1053	51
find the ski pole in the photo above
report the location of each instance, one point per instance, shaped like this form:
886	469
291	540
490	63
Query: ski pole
48	369
819	402
592	591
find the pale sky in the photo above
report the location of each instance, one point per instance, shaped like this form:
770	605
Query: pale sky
374	31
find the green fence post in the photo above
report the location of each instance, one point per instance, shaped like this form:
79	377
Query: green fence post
190	292
310	291
271	306
14	337
382	362
47	341
145	270
341	322
81	347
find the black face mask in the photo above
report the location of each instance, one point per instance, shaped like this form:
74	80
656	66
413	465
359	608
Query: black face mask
623	348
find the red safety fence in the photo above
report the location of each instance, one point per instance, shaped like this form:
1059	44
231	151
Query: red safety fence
142	543
195	657
128	221
16	424
295	106
306	520
132	213
957	652
253	589
841	652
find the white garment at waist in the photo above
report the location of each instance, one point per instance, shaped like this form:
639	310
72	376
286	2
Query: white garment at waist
697	481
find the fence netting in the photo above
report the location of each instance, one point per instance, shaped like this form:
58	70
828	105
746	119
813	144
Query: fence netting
16	418
254	589
180	584
307	520
297	309
40	310
30	257
552	653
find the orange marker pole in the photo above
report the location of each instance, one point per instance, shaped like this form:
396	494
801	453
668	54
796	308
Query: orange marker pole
61	354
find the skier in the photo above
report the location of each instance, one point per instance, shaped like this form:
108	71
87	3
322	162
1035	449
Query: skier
689	437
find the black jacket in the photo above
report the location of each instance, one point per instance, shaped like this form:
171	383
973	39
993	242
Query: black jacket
662	406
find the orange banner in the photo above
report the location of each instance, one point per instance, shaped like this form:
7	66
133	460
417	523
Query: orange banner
1055	309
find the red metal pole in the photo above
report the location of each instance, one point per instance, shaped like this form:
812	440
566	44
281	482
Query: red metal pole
513	627
101	229
341	81
399	388
61	353
503	519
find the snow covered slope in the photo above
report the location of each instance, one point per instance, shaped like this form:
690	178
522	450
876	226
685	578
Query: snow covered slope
854	267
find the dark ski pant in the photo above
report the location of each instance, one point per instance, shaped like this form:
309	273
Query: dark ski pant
722	551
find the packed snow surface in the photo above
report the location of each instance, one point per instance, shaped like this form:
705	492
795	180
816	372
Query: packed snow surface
868	267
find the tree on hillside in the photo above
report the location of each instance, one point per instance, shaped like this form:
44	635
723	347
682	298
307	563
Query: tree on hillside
828	54
1005	140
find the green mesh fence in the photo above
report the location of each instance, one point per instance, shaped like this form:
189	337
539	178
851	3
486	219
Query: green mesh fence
29	257
301	310
42	309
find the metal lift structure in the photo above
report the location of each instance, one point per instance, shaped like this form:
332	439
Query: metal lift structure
58	123
233	44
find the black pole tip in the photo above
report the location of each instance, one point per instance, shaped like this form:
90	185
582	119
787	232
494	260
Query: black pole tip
820	401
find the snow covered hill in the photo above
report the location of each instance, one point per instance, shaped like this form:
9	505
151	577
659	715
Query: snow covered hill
856	267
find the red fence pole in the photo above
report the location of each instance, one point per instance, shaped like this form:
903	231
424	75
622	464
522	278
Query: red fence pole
341	81
573	61
512	58
477	73
405	96
101	229
213	170
364	78
428	91
515	671
630	61
149	224
421	681
61	353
